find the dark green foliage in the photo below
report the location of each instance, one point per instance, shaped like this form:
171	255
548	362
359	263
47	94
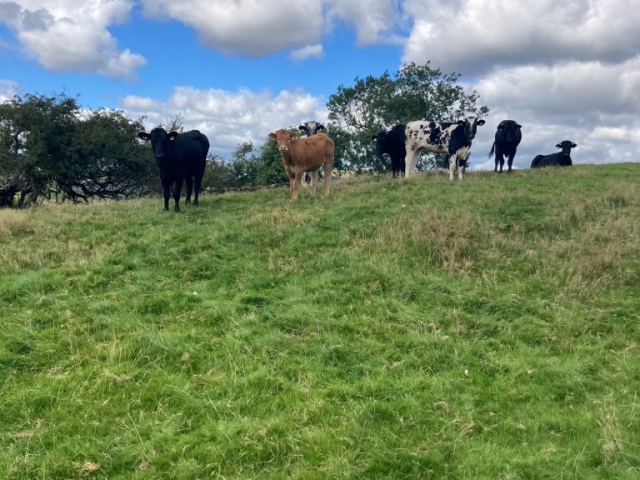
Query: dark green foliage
375	103
50	146
244	165
270	169
218	174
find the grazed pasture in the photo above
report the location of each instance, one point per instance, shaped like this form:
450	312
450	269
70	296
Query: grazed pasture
417	328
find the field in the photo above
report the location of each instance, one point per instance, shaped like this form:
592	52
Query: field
398	329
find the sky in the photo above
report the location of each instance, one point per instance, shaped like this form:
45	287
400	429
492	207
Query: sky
239	69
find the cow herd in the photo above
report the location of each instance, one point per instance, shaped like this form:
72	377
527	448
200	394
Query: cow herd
182	156
404	142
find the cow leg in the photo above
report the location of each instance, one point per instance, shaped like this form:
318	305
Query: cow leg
510	161
461	163
189	182
453	163
176	195
296	185
410	161
328	172
315	178
196	189
166	192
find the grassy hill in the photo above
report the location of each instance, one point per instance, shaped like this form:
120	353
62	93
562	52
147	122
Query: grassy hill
398	329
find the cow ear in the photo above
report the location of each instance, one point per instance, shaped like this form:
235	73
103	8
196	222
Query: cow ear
320	126
480	122
461	122
273	136
374	138
303	128
518	126
558	146
144	136
573	145
173	135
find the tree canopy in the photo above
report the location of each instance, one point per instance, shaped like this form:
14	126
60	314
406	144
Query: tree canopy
49	145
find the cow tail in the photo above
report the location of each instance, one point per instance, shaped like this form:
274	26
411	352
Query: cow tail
493	148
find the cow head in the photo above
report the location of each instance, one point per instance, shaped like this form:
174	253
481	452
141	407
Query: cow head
566	147
160	141
311	127
470	125
283	137
509	131
380	140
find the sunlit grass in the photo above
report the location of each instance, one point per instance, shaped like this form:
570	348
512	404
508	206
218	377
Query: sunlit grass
417	328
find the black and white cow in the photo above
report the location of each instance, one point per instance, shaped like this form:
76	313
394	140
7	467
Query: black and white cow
508	137
454	139
393	143
561	158
179	156
310	128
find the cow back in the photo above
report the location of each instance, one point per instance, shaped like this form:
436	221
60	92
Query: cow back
191	149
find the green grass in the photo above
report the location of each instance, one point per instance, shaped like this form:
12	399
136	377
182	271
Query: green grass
483	329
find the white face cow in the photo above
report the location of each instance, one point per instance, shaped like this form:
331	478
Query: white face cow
311	127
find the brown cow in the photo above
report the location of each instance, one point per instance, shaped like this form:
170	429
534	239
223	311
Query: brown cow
301	155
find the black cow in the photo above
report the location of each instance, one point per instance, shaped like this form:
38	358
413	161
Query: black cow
393	143
507	139
454	139
562	158
179	156
310	128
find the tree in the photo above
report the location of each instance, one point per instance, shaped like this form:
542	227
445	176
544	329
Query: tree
244	165
175	123
270	169
49	144
108	161
375	103
218	174
36	133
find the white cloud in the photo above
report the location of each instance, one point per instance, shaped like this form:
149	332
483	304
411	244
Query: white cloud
229	118
255	28
72	35
375	21
307	52
8	89
248	27
577	90
476	36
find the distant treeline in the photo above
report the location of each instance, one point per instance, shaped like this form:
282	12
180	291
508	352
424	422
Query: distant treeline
52	148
